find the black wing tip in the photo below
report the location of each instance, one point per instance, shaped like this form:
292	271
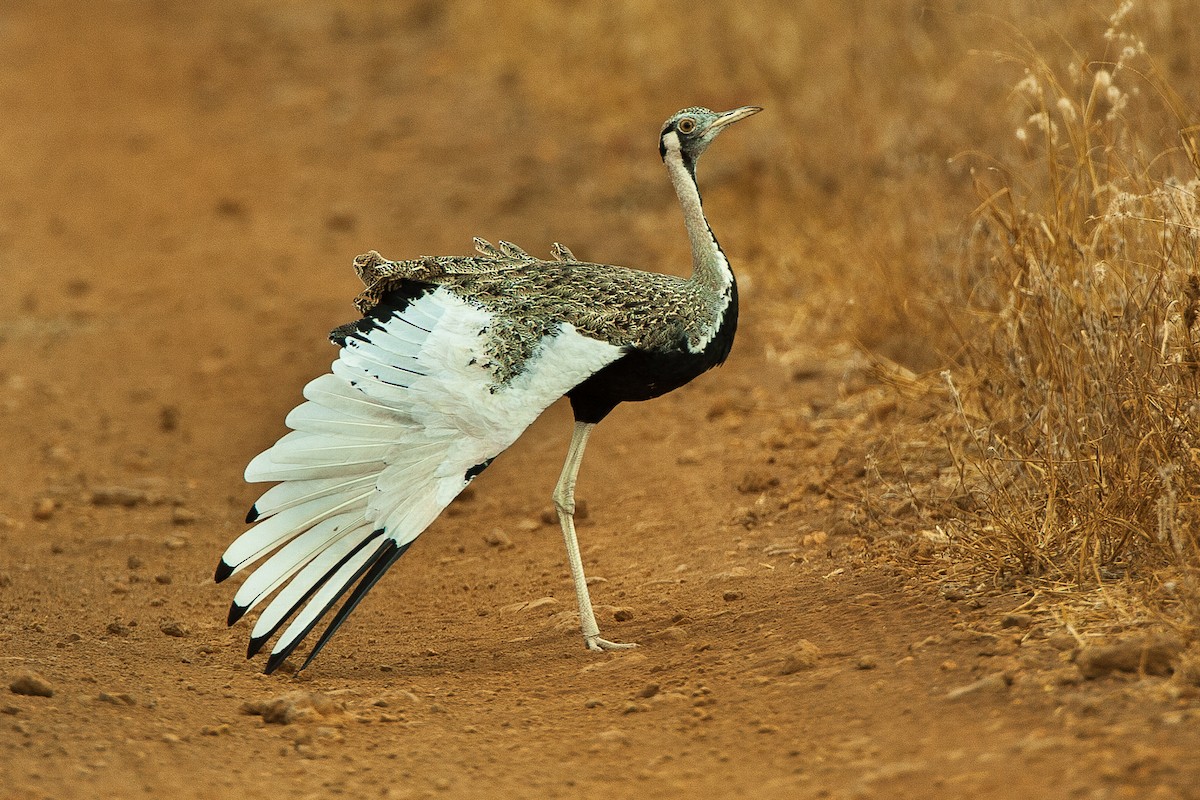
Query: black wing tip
224	570
388	552
476	470
252	514
236	612
256	644
352	330
275	660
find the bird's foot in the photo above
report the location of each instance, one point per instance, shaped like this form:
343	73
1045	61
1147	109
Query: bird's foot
598	645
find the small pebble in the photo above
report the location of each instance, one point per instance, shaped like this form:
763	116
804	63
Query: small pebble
341	221
498	539
117	496
623	614
804	656
182	516
1061	640
730	596
291	707
123	699
168	419
754	482
43	508
990	684
1016	621
1150	655
174	628
953	593
648	691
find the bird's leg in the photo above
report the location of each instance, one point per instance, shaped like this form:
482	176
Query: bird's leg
564	501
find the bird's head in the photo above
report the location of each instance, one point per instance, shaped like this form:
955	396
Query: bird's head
692	130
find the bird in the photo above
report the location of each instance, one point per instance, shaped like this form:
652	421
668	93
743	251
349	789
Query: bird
453	357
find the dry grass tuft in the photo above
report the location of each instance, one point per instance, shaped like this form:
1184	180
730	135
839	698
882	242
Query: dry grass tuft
1077	394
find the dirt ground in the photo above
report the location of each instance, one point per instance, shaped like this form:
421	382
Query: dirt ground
183	190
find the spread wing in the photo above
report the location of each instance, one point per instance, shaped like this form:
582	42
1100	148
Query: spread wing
409	415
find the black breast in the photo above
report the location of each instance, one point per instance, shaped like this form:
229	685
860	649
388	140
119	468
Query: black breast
644	374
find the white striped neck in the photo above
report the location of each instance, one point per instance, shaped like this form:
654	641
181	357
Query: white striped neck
710	268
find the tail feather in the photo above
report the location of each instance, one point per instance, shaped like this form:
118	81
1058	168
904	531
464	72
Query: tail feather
299	447
408	348
422	316
389	553
367	383
412	515
409	415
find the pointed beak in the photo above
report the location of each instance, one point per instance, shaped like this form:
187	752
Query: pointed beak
729	117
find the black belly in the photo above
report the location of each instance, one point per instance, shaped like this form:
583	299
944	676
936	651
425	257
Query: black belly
637	375
643	374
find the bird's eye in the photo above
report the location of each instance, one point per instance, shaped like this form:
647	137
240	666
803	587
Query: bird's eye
687	125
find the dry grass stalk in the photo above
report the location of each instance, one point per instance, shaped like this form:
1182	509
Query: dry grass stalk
1080	393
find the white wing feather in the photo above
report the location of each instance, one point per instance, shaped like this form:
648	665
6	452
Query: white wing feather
382	446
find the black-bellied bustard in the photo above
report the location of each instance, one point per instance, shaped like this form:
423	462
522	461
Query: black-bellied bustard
453	358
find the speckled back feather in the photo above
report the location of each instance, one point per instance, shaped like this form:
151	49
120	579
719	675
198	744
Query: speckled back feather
531	297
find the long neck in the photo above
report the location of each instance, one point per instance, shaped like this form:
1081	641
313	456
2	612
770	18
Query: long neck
710	269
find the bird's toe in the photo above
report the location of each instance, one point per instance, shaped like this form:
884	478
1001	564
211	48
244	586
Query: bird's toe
598	645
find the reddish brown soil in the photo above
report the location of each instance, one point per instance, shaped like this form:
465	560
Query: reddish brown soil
183	192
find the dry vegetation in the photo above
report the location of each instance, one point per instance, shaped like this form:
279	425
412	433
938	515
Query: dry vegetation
1082	400
1065	420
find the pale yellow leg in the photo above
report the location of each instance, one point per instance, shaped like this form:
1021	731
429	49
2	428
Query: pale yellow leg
564	501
